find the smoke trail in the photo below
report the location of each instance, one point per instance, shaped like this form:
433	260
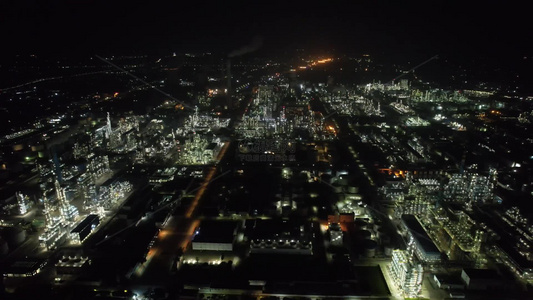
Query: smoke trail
256	43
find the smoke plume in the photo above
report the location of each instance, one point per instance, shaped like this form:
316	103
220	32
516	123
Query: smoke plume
254	45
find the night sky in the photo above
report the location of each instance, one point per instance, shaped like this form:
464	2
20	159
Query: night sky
395	27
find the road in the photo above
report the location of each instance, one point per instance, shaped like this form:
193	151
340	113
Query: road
176	234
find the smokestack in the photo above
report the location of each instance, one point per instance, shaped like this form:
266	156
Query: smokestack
228	83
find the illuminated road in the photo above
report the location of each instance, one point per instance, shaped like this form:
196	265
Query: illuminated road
176	234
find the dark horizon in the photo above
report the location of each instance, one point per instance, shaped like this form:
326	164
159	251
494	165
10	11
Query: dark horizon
76	27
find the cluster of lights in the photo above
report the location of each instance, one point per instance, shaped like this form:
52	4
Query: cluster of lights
401	108
406	274
36	268
438	96
194	261
416	122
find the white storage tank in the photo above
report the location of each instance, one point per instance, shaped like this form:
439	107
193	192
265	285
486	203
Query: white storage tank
370	247
387	250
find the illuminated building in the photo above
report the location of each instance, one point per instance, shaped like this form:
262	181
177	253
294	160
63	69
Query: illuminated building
53	235
437	95
84	187
55	231
112	191
108	129
471	188
119	139
421	243
402	108
198	150
515	249
335	234
404	84
84	228
279	237
406	274
22	203
215	236
47	210
458	235
97	165
80	151
25	268
67	211
517	261
162	176
70	265
201	123
417	201
416	122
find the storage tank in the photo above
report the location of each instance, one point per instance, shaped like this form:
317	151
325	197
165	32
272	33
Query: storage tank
337	188
387	250
37	224
352	189
361	224
306	244
358	210
342	181
4	248
377	224
370	247
364	234
15	236
385	239
380	232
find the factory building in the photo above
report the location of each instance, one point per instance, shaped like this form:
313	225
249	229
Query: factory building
216	236
335	234
406	274
84	228
424	248
279	237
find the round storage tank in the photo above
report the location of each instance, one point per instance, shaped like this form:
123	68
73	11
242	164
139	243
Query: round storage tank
380	232
387	250
361	224
358	210
370	247
37	224
4	248
377	225
342	180
15	236
337	188
352	189
364	234
385	239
